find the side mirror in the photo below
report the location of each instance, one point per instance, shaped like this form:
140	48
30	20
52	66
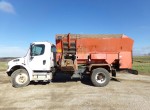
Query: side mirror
31	49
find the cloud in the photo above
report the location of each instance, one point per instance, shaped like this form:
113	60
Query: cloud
12	51
7	7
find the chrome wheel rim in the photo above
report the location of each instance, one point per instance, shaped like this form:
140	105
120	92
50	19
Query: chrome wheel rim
100	78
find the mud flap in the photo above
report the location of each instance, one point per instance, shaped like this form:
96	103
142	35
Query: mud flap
135	72
113	73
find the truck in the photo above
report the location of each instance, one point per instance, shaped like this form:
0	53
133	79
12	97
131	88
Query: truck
96	55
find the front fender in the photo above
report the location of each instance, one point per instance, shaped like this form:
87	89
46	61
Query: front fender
15	67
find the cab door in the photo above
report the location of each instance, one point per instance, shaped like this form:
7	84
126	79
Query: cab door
39	58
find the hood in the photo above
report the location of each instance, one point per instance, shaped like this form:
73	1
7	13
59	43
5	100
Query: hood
16	61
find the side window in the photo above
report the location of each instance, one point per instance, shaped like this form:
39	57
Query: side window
38	50
53	48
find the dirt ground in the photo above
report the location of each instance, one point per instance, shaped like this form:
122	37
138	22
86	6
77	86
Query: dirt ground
126	92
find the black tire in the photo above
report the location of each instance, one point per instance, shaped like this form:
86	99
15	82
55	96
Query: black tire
100	77
20	78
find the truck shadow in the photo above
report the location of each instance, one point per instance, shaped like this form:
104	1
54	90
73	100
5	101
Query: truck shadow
115	79
63	78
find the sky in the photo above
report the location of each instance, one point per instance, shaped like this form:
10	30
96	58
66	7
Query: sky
25	21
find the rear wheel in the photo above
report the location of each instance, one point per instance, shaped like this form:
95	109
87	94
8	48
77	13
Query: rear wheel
100	77
20	78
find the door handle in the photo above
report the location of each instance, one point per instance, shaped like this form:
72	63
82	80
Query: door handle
44	62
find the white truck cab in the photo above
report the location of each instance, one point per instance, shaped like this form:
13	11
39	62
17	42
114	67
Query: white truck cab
38	64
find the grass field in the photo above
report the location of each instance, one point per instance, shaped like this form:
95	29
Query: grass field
140	63
3	66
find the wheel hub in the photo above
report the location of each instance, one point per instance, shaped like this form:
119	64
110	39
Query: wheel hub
100	78
21	78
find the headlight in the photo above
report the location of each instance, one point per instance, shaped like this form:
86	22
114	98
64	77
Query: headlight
15	60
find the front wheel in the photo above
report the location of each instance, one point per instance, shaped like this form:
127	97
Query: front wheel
20	78
100	77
